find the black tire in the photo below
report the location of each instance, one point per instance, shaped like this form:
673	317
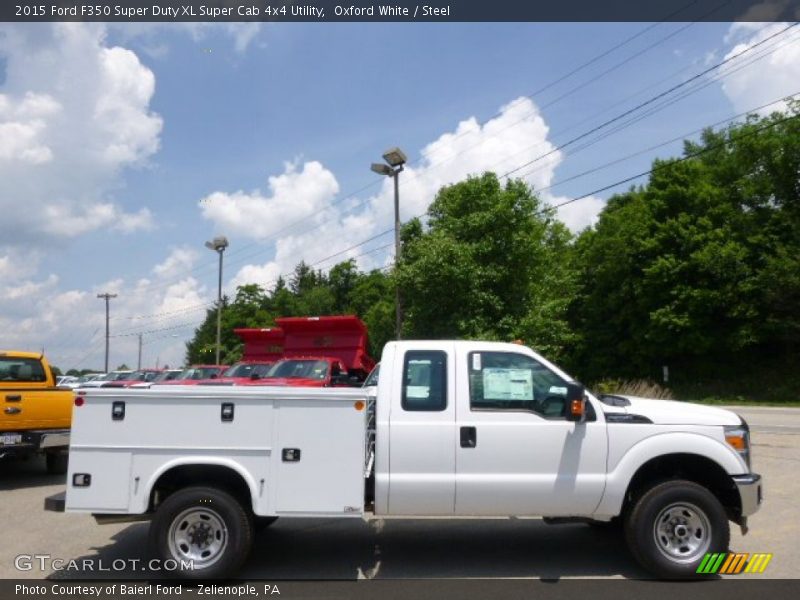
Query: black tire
692	522
56	462
203	524
261	523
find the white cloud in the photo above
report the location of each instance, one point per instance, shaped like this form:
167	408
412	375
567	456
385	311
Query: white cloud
70	324
241	34
292	195
772	77
74	113
179	262
517	136
27	289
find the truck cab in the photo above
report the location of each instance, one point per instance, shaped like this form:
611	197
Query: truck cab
36	414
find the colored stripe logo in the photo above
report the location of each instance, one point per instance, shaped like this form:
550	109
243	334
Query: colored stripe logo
733	563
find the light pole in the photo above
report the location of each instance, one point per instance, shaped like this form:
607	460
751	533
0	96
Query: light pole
218	245
395	159
107	297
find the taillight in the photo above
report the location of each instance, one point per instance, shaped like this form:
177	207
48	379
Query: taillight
79	400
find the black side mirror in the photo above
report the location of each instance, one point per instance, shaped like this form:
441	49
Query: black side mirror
576	402
255	376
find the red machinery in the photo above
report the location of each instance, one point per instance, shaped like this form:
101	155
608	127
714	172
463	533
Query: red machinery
317	351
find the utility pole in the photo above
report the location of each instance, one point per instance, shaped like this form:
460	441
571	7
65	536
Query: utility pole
139	362
107	297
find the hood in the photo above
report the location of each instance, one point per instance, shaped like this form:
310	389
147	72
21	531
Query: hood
670	412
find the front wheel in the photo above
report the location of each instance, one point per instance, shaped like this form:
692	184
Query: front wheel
673	526
203	532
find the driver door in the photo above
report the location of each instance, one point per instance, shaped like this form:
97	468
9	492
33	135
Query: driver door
516	453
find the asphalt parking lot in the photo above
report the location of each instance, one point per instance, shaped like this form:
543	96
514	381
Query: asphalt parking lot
316	549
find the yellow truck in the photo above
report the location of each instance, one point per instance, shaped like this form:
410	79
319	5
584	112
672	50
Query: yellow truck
35	415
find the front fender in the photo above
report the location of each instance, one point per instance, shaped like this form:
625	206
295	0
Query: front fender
620	476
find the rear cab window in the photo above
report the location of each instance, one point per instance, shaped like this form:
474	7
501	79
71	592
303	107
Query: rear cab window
26	370
425	381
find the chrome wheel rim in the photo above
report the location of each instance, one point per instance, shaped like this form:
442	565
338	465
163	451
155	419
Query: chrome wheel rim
198	535
682	532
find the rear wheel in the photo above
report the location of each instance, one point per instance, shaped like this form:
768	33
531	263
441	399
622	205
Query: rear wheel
206	532
672	526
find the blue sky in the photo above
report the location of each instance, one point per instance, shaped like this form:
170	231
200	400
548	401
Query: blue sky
133	144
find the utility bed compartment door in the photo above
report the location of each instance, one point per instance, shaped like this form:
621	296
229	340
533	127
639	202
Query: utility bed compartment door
108	489
319	457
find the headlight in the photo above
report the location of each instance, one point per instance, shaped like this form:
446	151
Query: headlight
738	438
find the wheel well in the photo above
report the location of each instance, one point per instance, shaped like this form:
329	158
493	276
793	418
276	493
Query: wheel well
216	476
692	467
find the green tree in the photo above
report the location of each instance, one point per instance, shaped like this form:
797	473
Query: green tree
699	268
492	263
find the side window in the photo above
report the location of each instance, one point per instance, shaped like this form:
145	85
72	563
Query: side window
506	381
425	381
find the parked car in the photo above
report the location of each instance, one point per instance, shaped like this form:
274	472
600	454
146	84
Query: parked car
104	378
245	371
311	371
195	374
85	378
140	376
165	375
37	414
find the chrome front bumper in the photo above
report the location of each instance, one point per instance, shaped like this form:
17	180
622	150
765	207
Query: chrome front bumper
750	492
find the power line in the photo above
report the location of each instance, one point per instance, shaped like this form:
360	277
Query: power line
649	101
669	164
662	144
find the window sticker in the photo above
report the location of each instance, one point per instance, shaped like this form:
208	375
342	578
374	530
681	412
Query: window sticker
558	390
476	361
507	384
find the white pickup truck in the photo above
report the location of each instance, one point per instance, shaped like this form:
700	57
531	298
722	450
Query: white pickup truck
453	429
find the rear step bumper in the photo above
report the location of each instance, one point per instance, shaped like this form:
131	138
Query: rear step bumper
55	502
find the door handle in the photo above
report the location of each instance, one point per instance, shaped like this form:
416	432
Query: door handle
469	437
13	397
13	410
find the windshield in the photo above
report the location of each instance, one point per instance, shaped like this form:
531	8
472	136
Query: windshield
115	376
300	369
135	376
372	378
166	376
247	370
198	373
